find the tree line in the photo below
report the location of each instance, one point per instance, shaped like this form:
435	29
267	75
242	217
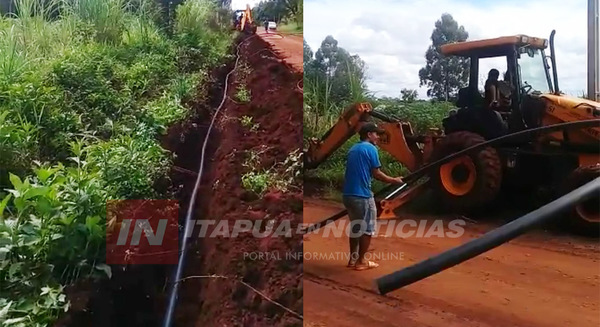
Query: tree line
342	76
279	11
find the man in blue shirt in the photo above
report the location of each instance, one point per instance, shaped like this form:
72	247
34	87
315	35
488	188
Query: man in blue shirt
363	164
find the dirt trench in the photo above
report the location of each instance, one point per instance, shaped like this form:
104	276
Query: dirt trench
137	295
276	108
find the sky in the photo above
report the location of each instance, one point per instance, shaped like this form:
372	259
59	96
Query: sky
241	4
391	36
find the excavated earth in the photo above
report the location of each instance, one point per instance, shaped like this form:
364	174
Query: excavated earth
276	107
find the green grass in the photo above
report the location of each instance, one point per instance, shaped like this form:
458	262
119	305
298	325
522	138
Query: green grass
290	28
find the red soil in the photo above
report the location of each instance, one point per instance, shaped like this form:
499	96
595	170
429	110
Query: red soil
538	279
276	105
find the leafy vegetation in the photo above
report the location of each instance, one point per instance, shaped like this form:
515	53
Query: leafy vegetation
249	124
242	94
290	28
86	89
281	176
286	13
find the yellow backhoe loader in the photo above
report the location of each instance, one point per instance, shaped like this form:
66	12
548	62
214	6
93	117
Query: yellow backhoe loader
243	22
560	160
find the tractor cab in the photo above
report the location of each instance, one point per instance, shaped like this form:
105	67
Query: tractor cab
237	17
523	74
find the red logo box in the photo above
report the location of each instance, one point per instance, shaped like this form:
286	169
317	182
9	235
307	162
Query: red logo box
142	232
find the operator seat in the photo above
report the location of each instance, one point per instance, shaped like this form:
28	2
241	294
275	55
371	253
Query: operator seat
462	100
468	99
473	116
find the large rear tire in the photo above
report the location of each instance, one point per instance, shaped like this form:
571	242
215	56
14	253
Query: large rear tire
469	182
584	218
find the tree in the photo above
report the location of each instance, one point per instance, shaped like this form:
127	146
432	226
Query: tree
408	95
333	78
444	76
344	73
308	54
278	10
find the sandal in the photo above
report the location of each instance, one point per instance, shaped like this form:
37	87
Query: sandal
369	265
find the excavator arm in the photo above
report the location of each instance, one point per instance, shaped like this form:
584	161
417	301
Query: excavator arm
398	139
246	18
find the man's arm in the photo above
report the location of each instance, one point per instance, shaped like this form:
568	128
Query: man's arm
494	92
376	170
379	175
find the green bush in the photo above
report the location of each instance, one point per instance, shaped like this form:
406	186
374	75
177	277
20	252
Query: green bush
422	115
52	235
199	46
132	164
87	94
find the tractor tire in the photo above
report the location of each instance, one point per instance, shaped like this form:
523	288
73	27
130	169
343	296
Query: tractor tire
467	183
583	219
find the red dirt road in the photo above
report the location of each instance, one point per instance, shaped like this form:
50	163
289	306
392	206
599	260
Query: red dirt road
288	47
535	280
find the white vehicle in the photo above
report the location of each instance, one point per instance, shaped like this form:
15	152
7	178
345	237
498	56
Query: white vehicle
272	26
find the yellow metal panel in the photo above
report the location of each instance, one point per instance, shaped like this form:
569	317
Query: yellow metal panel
468	46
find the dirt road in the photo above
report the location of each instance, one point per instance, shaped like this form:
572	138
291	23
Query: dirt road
533	281
288	47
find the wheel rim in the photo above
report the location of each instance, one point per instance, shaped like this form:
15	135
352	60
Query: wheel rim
458	176
589	210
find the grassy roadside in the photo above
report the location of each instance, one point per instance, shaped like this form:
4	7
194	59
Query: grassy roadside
291	28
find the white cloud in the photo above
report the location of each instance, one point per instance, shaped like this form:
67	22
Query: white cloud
391	36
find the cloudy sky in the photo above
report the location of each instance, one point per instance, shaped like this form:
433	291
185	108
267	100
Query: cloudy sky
391	36
241	4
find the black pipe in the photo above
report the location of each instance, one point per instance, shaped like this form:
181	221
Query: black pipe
419	173
488	241
381	116
188	225
553	58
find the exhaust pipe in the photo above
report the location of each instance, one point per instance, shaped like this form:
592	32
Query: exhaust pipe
488	241
553	58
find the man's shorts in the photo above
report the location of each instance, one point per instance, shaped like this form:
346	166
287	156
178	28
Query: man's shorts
362	213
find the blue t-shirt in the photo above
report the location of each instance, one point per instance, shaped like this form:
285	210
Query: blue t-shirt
362	159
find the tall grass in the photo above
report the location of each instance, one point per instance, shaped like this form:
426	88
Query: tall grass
320	109
86	89
107	16
13	57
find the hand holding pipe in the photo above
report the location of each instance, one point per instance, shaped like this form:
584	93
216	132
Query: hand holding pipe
416	175
488	241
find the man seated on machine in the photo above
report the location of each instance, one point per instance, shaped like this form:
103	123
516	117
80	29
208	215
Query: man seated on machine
505	91
494	98
498	93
